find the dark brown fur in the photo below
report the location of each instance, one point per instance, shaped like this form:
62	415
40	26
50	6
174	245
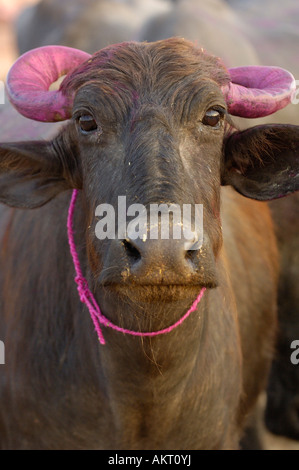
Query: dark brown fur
283	389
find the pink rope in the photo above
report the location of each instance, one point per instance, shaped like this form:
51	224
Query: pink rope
88	299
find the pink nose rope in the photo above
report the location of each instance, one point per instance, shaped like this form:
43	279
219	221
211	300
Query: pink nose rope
88	299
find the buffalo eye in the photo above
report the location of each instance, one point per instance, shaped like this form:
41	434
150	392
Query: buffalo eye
212	118
87	124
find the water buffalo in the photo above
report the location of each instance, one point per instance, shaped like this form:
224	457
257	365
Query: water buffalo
256	32
281	414
213	25
149	121
87	25
272	29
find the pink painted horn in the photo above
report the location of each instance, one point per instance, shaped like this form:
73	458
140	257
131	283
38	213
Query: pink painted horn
30	77
254	91
257	91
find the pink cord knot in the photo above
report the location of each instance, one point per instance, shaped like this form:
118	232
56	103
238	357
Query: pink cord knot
82	287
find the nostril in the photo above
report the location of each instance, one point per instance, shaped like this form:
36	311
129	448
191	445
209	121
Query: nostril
191	249
190	255
131	250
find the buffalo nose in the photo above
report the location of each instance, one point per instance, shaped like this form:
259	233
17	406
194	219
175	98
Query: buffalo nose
160	257
152	260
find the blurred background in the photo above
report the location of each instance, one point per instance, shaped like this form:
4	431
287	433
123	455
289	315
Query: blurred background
241	32
9	11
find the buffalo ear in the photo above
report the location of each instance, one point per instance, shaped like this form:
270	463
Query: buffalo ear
263	162
33	173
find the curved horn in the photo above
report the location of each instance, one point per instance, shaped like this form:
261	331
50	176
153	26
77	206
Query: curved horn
257	91
31	76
